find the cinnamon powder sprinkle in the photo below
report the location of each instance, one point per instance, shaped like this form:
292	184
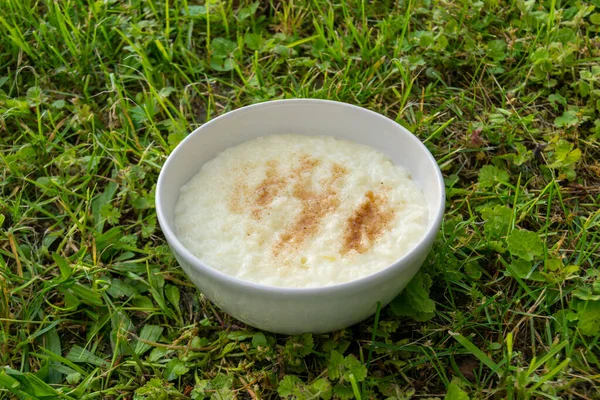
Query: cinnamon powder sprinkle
367	223
268	189
315	206
236	200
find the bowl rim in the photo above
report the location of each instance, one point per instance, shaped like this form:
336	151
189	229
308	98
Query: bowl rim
243	285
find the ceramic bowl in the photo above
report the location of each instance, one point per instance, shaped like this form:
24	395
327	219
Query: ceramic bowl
298	310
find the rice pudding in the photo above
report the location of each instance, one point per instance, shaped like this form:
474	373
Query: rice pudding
300	211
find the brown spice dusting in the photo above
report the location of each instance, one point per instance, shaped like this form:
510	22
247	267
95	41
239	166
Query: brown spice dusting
245	199
307	223
301	175
315	206
268	189
236	201
316	202
367	223
241	192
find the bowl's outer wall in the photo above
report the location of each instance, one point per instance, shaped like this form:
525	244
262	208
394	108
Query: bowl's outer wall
317	313
298	311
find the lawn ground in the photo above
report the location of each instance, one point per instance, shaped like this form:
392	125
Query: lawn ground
95	94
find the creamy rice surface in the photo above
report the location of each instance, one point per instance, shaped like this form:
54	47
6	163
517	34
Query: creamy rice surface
300	211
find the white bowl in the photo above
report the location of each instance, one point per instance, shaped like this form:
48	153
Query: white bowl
297	310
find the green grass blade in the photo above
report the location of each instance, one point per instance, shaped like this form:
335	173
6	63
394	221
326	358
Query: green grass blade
474	350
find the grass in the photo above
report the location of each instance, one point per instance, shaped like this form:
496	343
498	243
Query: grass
95	94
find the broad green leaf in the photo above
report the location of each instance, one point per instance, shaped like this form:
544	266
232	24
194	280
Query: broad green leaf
110	214
194	11
521	268
35	96
157	283
100	201
288	385
121	325
200	389
172	294
343	391
73	378
126	255
71	301
355	367
52	343
595	18
554	264
141	203
585	293
199	342
9	383
174	369
584	88
253	41
30	385
222	47
441	42
596	286
336	365
282	50
246	12
523	155
63	265
118	288
80	355
563	154
108	238
157	389
566	36
259	339
425	38
158	353
300	346
540	55
320	388
586	74
490	176
141	114
228	348
496	119
166	91
222	64
414	301
525	244
473	270
497	221
455	392
567	119
497	49
556	98
222	387
143	303
588	313
222	381
87	295
200	11
59	104
149	333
